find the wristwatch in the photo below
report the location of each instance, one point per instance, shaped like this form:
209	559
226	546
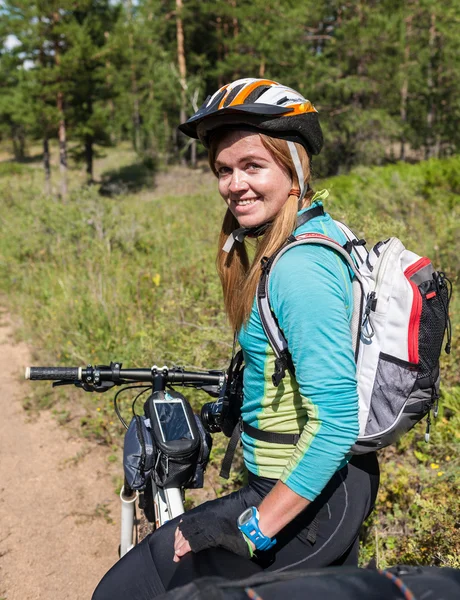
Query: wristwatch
248	524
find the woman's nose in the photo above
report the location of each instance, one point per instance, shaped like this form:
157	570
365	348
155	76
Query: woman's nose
238	182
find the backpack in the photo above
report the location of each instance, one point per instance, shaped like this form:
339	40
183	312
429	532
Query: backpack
215	574
400	315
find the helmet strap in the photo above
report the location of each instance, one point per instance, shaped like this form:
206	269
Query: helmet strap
236	236
239	234
298	169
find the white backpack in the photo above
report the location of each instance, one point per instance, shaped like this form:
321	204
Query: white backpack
399	319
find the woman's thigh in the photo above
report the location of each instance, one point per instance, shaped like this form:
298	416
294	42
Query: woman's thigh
324	534
146	570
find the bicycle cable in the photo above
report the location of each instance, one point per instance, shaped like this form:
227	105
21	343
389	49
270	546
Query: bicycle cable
138	396
124	389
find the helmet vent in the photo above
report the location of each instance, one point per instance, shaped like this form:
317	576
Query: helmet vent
256	94
232	94
286	99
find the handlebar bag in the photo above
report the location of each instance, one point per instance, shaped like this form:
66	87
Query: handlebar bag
139	453
175	436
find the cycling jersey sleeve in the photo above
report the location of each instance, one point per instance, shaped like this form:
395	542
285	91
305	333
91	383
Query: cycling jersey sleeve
311	295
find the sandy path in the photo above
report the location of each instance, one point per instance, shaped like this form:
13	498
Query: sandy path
55	491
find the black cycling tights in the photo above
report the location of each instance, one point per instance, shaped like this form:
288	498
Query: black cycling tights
324	534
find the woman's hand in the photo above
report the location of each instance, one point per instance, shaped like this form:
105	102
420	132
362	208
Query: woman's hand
199	530
181	546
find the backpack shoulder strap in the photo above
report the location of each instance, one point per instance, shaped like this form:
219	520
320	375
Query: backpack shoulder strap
357	246
268	318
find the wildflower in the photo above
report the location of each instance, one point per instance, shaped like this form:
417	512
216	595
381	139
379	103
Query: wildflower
440	473
434	466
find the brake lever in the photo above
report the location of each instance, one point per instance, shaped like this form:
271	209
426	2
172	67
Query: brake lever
63	382
211	390
103	386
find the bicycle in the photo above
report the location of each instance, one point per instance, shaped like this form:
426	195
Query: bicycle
169	418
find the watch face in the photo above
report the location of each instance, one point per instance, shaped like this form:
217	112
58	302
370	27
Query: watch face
245	516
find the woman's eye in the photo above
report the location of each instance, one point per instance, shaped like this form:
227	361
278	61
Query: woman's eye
253	166
223	170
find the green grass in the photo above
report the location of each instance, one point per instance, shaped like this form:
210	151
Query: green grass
131	278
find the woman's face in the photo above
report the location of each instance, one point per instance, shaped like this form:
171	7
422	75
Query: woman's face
254	186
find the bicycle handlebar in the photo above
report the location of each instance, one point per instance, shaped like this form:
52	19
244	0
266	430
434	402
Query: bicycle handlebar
94	376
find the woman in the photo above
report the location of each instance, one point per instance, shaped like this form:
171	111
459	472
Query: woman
305	501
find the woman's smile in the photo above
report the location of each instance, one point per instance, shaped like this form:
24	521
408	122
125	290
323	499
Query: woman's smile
252	183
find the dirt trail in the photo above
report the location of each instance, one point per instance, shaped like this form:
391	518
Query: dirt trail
56	497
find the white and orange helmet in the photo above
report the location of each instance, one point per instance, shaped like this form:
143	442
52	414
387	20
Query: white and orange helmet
262	104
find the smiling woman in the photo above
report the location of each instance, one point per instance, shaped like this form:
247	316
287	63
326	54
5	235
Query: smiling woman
254	185
306	498
269	161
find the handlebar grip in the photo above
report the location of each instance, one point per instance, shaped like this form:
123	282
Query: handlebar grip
54	373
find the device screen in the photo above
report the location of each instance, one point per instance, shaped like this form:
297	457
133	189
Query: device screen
173	421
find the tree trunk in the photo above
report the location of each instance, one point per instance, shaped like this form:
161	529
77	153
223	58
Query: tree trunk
430	142
62	128
46	165
108	82
236	29
17	150
19	142
46	145
182	66
62	145
167	137
407	25
193	154
360	69
134	88
219	50
136	110
262	68
89	157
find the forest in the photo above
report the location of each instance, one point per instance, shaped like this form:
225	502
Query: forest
109	218
383	74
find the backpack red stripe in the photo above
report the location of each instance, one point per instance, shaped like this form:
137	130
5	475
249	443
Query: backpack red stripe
416	310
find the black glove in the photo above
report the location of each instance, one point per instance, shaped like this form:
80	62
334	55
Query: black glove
202	531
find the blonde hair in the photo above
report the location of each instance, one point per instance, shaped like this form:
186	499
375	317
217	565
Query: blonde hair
239	276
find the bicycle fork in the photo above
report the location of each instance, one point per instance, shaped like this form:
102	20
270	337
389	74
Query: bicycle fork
167	503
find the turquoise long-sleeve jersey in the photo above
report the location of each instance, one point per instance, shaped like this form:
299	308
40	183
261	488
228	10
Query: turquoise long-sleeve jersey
311	295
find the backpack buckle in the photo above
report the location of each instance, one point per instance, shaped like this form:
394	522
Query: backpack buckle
279	372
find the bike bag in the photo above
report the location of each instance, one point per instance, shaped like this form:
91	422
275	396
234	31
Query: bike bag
138	453
176	438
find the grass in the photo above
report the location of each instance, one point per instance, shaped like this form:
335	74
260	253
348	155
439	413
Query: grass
131	277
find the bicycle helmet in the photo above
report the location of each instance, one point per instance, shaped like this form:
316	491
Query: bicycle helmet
268	107
264	104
